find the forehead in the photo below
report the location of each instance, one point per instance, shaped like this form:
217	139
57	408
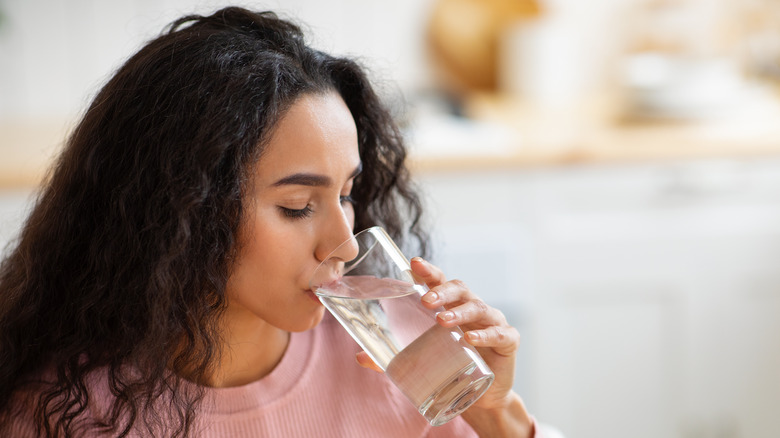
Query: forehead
316	135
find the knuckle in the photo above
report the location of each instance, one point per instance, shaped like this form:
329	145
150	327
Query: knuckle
458	283
501	337
480	306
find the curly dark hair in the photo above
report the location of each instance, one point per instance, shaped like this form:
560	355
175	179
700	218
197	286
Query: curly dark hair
122	263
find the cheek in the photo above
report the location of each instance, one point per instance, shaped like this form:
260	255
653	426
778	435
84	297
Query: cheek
263	244
270	247
264	265
279	247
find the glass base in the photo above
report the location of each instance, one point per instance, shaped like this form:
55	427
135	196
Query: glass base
457	395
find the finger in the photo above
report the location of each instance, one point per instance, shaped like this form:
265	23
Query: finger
449	294
503	340
364	360
472	312
427	273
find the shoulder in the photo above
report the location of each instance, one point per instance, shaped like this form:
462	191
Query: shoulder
19	418
25	418
87	407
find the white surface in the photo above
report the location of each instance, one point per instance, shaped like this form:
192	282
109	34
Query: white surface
85	41
14	205
648	296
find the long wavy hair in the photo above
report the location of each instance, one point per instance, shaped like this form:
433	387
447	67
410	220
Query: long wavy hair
123	261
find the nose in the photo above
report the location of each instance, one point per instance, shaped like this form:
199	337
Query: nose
336	238
336	245
332	268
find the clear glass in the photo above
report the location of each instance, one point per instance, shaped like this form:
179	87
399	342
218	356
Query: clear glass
368	286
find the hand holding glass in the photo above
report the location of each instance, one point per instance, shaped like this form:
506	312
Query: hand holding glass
367	284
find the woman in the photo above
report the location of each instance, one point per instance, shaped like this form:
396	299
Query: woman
160	285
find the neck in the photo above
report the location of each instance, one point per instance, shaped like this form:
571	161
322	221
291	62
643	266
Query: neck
252	349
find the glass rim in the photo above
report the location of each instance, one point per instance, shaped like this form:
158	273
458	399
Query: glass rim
380	238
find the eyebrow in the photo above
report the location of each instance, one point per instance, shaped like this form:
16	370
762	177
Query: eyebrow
312	179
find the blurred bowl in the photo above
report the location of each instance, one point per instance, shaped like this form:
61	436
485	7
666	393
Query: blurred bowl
669	86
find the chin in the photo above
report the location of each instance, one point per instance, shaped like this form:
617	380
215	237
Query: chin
314	319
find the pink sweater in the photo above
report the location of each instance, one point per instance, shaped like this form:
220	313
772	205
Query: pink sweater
317	390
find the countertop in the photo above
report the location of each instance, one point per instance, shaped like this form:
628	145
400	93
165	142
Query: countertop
599	131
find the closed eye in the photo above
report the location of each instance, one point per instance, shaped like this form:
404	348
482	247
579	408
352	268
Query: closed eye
294	213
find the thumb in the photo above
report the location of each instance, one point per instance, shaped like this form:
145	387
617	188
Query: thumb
364	360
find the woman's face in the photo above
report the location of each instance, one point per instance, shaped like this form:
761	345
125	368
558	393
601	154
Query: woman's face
298	210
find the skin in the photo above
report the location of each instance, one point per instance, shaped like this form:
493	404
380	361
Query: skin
298	212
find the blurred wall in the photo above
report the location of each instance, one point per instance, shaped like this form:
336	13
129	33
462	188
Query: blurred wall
55	54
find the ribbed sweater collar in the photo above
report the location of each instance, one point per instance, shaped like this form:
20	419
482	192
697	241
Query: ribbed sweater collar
289	373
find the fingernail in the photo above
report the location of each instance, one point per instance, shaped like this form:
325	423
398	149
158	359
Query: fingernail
422	264
446	316
474	336
430	297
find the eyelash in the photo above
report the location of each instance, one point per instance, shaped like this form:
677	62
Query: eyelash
295	213
305	212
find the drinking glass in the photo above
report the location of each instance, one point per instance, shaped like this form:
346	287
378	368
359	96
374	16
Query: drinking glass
368	286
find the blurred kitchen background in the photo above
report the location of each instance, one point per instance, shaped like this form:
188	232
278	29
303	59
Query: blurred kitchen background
606	172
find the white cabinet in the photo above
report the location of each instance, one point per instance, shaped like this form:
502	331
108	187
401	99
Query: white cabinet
648	296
